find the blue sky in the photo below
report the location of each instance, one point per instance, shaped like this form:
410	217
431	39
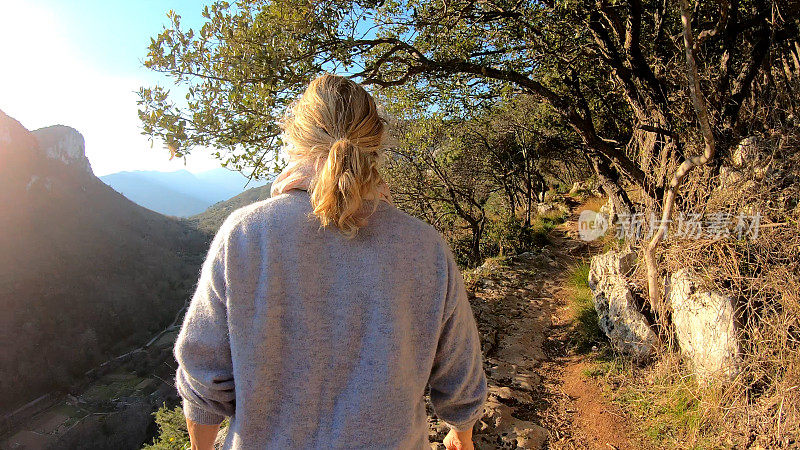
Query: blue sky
79	63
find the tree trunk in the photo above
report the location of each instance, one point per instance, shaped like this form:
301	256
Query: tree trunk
608	179
653	285
477	235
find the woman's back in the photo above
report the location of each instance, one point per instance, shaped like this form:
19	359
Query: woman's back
332	340
322	313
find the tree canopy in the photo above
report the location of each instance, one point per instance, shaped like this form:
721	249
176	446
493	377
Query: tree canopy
611	71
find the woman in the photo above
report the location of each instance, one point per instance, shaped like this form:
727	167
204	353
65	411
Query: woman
322	314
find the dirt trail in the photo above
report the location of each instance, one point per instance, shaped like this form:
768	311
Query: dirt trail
538	395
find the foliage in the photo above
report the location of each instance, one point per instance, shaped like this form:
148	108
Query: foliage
607	71
478	180
507	236
172	434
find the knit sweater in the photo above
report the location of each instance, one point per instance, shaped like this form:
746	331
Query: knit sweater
308	339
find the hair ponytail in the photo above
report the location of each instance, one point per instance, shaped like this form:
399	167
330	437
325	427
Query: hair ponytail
336	125
337	194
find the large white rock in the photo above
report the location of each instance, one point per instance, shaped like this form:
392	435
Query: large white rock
618	316
64	144
705	326
609	264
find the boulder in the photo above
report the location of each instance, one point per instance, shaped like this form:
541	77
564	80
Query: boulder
705	326
617	313
610	264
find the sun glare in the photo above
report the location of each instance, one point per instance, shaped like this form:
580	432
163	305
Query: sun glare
48	79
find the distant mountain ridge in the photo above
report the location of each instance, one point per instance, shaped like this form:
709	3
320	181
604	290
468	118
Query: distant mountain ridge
180	193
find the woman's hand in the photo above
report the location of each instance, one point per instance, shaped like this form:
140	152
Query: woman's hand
458	440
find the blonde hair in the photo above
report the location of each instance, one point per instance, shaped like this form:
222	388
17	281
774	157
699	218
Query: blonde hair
336	126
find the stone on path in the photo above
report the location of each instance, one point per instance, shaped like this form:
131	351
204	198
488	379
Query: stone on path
522	433
618	315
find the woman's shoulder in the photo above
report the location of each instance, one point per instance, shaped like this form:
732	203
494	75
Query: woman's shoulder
271	211
408	235
405	223
293	209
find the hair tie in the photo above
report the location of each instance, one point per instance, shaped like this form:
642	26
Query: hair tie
343	140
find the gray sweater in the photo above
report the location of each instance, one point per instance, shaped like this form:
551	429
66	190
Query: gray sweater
310	340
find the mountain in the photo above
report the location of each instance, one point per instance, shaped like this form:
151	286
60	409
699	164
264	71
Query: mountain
211	219
85	273
155	195
179	193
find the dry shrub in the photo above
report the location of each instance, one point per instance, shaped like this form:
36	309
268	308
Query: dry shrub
761	406
592	203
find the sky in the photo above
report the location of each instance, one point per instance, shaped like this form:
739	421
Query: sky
80	63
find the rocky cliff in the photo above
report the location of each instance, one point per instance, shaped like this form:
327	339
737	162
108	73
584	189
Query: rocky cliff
63	144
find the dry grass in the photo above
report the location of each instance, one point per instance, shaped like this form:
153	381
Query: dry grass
592	203
761	406
666	405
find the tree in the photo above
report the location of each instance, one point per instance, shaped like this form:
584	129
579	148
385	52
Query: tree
611	72
440	176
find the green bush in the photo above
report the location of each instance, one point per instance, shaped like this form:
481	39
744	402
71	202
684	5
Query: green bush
541	225
172	434
505	236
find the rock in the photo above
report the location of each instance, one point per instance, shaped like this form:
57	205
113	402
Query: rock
618	316
499	419
608	211
64	144
705	326
551	207
749	164
533	436
576	187
609	264
506	393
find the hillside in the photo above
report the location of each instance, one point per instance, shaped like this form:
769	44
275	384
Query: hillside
210	220
84	272
178	193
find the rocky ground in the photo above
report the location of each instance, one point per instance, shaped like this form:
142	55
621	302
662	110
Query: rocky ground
538	395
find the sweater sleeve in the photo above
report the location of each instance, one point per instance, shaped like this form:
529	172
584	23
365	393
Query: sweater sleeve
457	381
204	378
